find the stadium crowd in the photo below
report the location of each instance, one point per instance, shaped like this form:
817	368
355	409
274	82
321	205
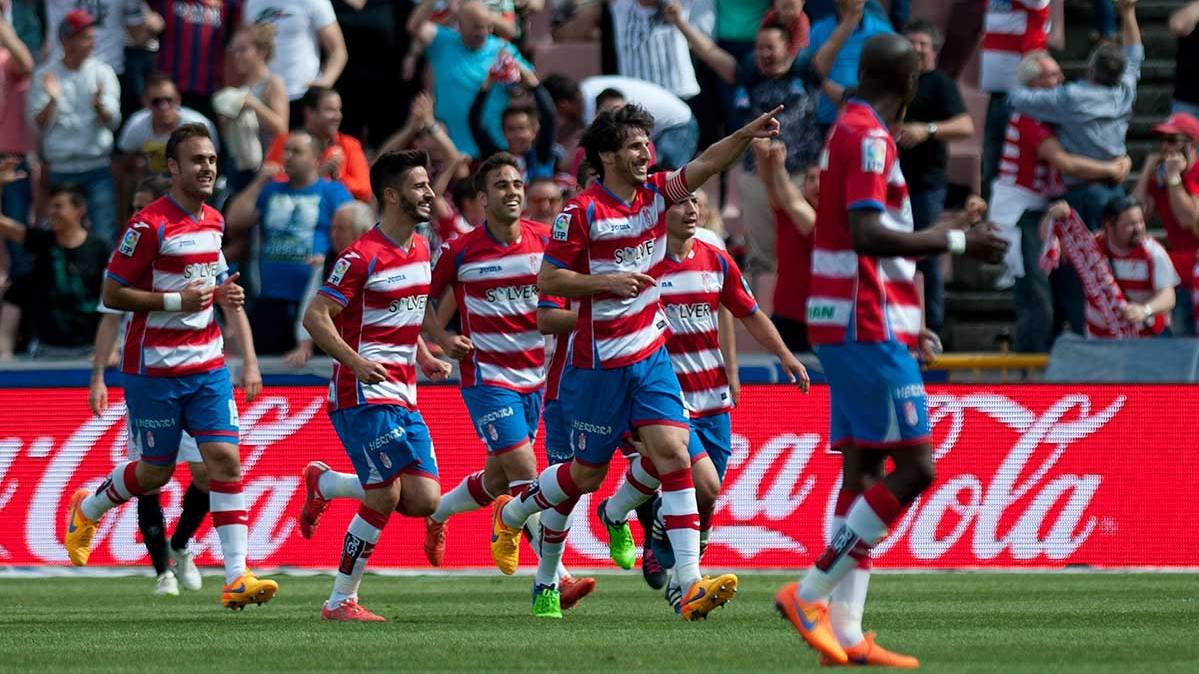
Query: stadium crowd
303	94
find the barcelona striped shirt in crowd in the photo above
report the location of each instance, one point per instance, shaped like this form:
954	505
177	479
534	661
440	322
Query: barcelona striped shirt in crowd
194	37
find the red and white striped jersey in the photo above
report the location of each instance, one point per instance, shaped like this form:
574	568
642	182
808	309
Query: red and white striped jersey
692	291
1011	28
852	297
163	249
383	289
557	364
598	233
495	286
1020	165
1141	273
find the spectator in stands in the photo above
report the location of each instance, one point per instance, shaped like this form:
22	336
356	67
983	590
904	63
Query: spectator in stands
460	60
544	197
1186	77
1012	28
1029	176
293	218
790	13
935	116
529	132
114	20
61	293
675	135
16	66
342	158
76	103
303	30
192	46
768	78
252	48
1169	185
1139	265
143	140
898	14
374	33
569	107
868	20
1093	115
351	220
794	210
149	189
140	46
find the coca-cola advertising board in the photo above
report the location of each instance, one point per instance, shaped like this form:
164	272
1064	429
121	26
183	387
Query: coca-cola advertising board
1027	476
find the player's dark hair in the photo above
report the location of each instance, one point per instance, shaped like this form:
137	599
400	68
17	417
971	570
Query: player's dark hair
184	133
520	110
606	95
780	27
609	131
495	161
1117	205
74	191
315	95
389	169
924	27
1107	65
581	172
560	87
156	185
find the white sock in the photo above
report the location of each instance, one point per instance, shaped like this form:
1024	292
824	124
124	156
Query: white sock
333	484
552	487
120	486
227	504
361	537
680	515
639	485
470	494
847	603
865	525
550	545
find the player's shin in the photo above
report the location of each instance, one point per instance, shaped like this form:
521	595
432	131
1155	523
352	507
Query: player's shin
554	527
150	523
229	518
120	486
680	515
848	601
333	484
866	524
639	485
554	486
470	494
361	537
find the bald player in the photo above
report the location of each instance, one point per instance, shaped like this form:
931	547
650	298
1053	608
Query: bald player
864	320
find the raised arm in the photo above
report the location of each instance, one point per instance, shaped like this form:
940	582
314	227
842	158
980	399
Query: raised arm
725	152
1131	29
487	145
20	63
782	194
1184	19
721	62
422	30
851	15
547	113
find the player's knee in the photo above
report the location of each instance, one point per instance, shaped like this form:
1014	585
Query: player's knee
588	478
199	476
707	489
918	473
495	482
223	466
419	505
151	477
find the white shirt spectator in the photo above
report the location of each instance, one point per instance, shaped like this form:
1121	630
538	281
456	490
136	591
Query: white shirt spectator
75	141
668	110
138	136
112	20
297	47
649	48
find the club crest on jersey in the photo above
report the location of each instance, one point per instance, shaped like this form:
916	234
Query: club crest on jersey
874	155
129	242
385	459
492	432
149	440
339	271
562	226
711	283
909	413
581	443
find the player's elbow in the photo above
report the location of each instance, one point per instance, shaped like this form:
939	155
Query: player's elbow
549	282
312	318
544	324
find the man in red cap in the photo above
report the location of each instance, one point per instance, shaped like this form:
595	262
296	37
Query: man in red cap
1169	184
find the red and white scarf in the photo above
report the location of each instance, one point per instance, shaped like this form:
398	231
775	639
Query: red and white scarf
1071	236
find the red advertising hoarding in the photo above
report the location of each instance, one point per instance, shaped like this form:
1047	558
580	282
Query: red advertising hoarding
1027	476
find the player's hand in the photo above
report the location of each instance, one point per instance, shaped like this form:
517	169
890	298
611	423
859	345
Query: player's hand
436	369
229	294
251	381
765	126
930	345
197	296
628	284
795	371
734	387
457	346
369	372
1120	169
97	396
984	243
300	355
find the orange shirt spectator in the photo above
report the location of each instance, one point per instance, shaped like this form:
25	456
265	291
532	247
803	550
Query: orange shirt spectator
343	159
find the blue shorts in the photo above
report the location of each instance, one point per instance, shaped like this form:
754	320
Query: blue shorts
385	441
161	408
712	437
503	418
557	433
602	404
876	396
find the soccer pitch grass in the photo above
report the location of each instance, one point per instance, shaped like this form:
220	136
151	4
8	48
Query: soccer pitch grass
966	622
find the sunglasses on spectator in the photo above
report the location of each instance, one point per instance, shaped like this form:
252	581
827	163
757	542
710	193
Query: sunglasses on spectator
164	100
544	200
1175	139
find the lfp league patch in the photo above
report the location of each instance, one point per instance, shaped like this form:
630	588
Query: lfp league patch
874	155
562	226
129	242
339	271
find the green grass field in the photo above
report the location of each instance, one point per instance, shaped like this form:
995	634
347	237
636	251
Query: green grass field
954	622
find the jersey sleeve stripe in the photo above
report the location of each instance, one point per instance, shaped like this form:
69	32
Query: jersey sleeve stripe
554	261
333	295
118	279
866	205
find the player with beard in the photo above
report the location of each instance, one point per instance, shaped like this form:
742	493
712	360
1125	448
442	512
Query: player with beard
367	317
168	270
602	248
864	317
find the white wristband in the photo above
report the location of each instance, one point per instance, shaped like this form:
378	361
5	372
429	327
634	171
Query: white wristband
957	241
172	302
